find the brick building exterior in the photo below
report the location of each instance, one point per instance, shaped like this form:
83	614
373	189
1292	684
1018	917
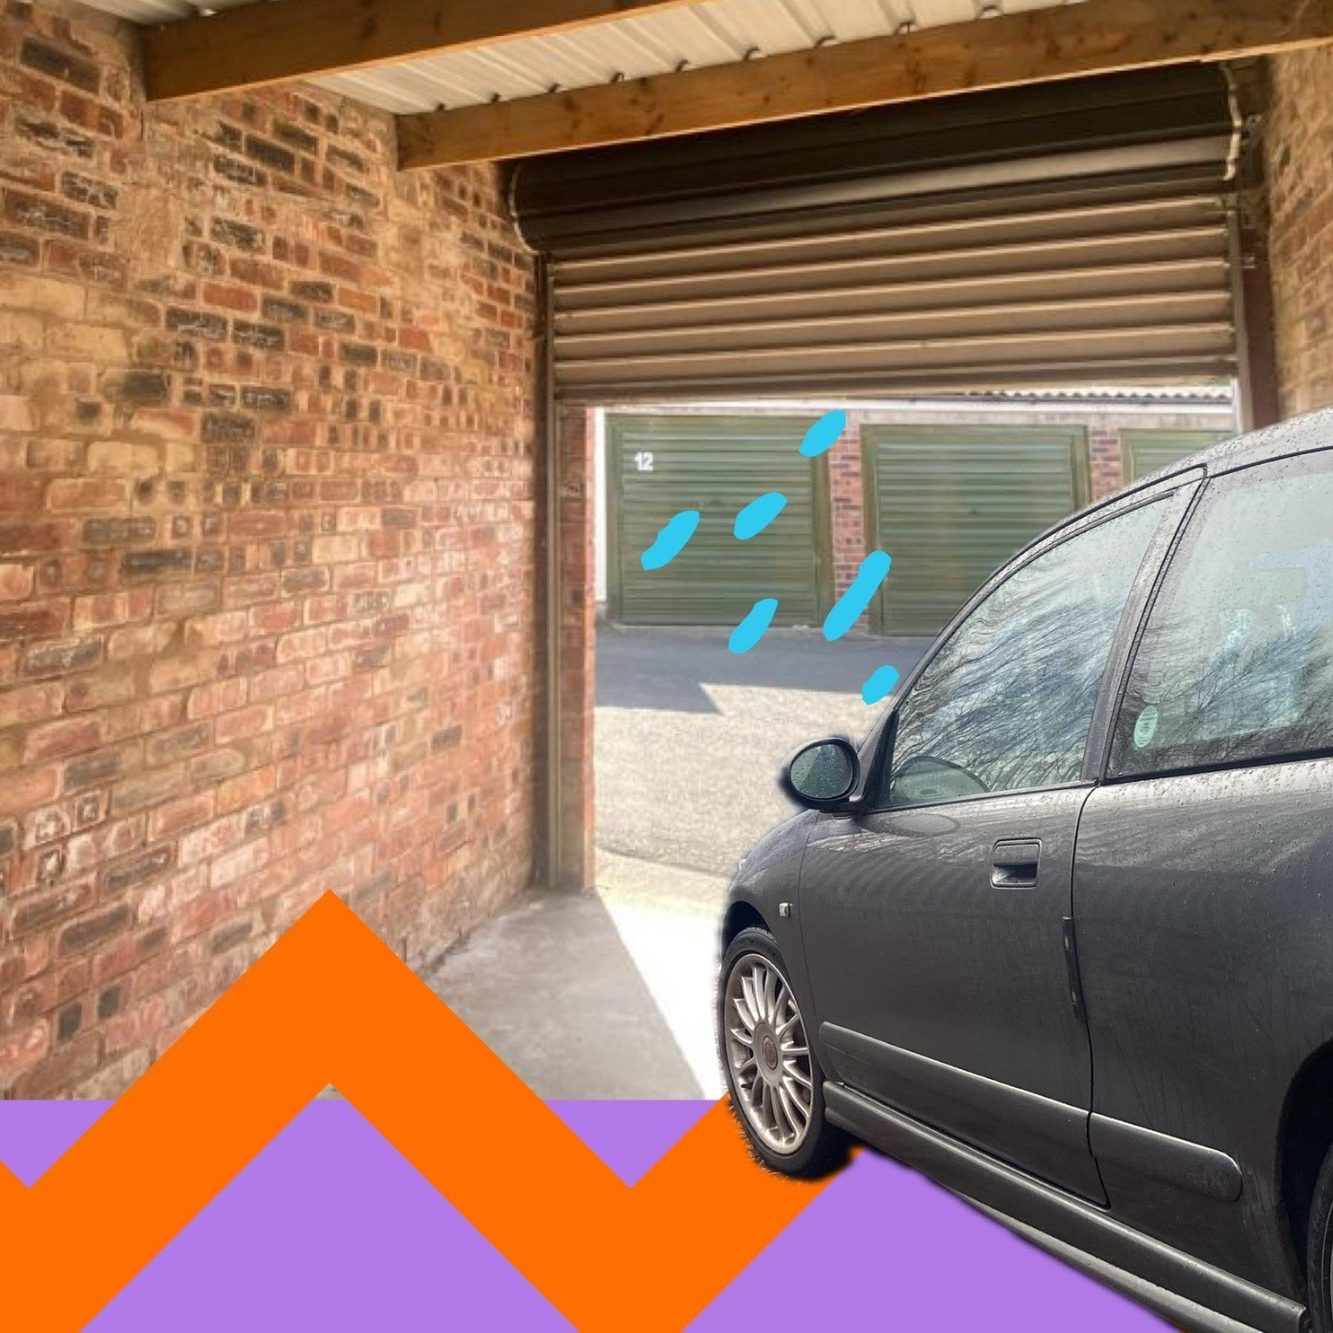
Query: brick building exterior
1300	180
268	552
272	604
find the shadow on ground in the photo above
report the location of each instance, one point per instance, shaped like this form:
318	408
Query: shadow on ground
667	668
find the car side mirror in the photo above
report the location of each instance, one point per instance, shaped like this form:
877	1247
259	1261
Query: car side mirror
823	775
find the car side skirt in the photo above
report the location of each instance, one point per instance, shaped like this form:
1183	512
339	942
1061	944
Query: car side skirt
1199	1294
1182	1312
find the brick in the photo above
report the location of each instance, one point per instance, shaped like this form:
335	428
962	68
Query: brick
284	312
359	354
228	428
147	789
31	619
62	656
59	740
137	386
241	723
122	458
248	447
82	493
262	398
165	821
118	531
16	413
40	214
228	937
197	323
270	154
101	689
239	234
132	871
188	599
38	911
140	641
16	582
266	336
57	138
93	930
148	563
59	63
94	770
244	860
18	249
29	538
319	292
84	190
243	173
219	697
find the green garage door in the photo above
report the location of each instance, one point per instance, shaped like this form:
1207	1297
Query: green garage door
1147	450
659	465
950	504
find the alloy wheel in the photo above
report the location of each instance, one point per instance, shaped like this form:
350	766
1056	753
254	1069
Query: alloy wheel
769	1053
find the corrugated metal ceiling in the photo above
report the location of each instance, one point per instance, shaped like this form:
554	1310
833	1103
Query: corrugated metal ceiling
717	33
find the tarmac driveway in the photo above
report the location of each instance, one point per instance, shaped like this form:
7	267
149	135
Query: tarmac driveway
690	737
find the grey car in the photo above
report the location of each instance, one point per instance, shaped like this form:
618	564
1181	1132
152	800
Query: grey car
1059	932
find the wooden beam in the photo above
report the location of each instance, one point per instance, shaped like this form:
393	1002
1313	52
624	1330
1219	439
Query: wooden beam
263	43
1099	36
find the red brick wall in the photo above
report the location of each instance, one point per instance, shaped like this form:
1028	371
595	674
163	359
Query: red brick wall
1106	461
847	506
267	545
1299	140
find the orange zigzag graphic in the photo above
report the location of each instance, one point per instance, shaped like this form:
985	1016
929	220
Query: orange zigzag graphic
329	1003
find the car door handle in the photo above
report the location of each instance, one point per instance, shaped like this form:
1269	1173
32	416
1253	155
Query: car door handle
1014	864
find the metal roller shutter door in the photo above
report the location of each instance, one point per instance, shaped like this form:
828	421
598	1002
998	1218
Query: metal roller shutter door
1069	232
1147	450
951	504
658	465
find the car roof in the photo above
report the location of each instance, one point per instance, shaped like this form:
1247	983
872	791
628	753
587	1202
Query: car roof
1297	435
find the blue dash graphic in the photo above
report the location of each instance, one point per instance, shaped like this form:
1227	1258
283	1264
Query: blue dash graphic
878	684
671	540
758	514
850	606
751	629
823	435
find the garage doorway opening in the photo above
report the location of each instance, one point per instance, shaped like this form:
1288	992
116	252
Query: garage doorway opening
688	736
953	276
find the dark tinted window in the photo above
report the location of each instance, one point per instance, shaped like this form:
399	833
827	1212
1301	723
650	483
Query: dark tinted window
1006	703
1236	662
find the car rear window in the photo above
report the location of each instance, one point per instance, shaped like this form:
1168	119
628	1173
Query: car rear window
1236	662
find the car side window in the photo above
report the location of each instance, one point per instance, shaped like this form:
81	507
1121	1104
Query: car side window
1236	661
1006	703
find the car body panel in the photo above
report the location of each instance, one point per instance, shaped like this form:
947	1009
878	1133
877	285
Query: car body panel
1205	947
910	944
1216	1300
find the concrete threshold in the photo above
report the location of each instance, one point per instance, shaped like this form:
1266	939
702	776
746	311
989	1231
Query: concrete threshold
602	995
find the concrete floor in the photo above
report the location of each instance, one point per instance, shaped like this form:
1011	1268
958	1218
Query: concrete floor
607	995
611	995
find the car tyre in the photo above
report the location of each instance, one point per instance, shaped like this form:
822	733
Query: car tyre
1319	1249
772	1073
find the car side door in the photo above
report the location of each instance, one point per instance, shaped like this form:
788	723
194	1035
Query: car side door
935	917
1203	880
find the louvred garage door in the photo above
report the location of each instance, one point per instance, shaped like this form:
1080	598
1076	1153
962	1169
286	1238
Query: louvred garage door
1147	450
1075	231
661	464
953	503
